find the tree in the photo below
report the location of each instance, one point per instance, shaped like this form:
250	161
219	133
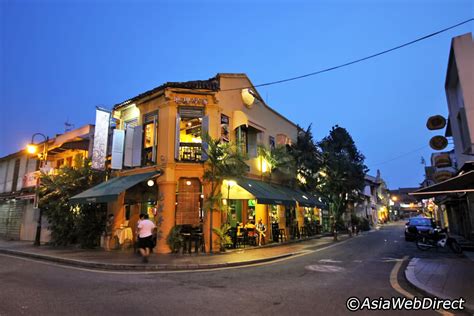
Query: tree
342	172
70	224
307	159
224	161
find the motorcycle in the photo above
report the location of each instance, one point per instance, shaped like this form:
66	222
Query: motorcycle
437	238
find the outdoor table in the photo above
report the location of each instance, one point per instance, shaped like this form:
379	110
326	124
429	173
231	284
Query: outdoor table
124	234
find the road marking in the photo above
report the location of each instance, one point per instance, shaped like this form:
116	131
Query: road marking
324	268
330	261
389	259
396	286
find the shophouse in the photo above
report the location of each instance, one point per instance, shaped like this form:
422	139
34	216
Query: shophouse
455	194
159	154
19	173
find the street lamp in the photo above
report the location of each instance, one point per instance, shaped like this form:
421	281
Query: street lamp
32	148
230	184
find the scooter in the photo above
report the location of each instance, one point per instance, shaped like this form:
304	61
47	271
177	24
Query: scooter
437	238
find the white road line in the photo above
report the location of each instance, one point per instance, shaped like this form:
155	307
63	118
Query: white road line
330	261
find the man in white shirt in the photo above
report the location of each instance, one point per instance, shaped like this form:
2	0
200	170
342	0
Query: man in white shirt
145	237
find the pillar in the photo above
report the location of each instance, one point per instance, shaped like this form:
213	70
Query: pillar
216	222
300	215
168	191
261	212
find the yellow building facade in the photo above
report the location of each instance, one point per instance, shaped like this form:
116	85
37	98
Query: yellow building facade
164	132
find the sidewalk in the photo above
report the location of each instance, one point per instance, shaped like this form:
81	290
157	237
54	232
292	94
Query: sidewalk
446	278
127	260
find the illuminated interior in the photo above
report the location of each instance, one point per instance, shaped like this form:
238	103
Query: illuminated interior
190	139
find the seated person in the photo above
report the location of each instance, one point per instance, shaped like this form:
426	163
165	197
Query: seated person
250	225
261	229
240	226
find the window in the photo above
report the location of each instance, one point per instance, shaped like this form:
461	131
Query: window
59	163
241	136
271	142
69	161
191	125
150	138
130	123
16	171
282	139
247	140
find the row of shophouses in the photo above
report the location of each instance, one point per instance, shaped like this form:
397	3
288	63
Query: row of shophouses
447	191
154	144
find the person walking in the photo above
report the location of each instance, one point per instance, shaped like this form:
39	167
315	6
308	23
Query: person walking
145	237
109	227
261	229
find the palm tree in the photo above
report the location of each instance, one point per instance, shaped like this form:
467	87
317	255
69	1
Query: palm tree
224	161
279	160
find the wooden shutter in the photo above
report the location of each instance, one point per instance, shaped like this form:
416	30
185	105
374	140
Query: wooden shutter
117	149
137	146
204	133
127	160
176	138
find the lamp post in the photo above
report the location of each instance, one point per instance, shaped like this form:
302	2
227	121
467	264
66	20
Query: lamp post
32	148
230	184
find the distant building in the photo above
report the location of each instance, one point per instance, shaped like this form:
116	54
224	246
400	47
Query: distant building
404	205
374	200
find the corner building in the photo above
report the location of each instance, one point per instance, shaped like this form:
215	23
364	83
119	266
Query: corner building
158	150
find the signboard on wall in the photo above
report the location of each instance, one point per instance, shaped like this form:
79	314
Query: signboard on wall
30	179
101	135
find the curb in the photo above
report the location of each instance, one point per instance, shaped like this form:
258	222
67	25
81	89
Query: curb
139	267
410	276
153	267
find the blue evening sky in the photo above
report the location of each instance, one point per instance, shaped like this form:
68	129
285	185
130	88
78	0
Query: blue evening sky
60	59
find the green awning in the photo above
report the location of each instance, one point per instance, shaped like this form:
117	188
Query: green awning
266	193
109	190
303	198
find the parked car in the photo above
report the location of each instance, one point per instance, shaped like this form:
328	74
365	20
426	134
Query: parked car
417	225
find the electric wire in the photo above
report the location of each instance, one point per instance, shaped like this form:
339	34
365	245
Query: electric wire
400	156
353	61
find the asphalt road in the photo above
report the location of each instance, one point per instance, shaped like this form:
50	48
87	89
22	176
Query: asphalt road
317	283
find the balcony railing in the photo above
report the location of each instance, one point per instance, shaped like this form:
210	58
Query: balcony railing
190	152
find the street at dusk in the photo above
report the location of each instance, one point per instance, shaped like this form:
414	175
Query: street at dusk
234	157
361	267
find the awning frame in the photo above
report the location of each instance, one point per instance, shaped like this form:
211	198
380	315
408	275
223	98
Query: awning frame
108	191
